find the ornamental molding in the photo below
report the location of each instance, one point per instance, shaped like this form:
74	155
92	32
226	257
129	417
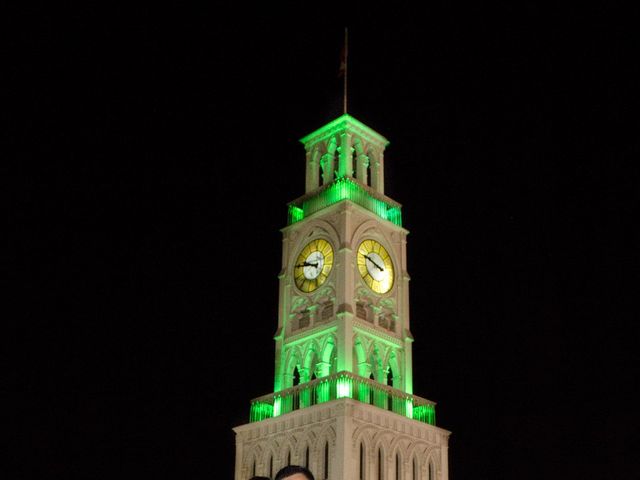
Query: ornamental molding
377	332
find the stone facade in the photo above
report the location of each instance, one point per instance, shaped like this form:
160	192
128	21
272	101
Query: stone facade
339	438
343	401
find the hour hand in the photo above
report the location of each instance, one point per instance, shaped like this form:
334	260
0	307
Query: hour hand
374	263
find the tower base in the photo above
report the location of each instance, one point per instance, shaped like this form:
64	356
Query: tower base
343	439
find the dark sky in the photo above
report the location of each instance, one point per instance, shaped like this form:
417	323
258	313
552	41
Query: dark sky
155	151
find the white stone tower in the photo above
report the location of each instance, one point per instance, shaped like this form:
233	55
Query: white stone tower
343	402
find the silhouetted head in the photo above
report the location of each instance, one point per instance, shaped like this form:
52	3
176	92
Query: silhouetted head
294	472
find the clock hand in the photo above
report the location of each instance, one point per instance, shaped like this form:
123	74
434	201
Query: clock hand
374	263
307	264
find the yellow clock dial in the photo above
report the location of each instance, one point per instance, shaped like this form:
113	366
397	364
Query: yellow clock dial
313	265
375	266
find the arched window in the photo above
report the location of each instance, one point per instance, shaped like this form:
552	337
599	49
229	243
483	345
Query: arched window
361	461
289	457
380	465
390	377
398	470
415	469
296	377
306	457
325	469
271	466
432	475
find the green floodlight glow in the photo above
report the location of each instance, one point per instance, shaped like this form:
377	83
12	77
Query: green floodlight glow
343	123
322	392
295	214
344	387
305	397
364	393
345	188
409	408
261	411
277	406
425	413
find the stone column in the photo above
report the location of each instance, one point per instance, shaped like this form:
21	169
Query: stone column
361	169
444	461
322	369
377	172
362	162
345	160
312	170
304	374
327	162
287	379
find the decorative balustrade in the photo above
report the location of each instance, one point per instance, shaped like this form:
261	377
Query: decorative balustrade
341	189
343	385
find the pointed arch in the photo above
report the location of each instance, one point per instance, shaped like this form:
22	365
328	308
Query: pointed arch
311	358
293	361
376	359
360	357
326	464
328	348
269	457
362	461
380	466
362	436
431	462
380	448
394	363
416	452
306	444
251	461
324	448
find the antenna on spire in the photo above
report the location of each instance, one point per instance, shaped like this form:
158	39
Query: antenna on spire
343	68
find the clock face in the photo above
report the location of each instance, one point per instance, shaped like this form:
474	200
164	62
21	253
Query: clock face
313	265
375	266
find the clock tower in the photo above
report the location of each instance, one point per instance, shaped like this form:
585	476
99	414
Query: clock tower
343	402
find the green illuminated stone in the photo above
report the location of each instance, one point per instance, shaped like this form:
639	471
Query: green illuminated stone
261	411
345	188
425	413
323	392
277	406
344	387
409	408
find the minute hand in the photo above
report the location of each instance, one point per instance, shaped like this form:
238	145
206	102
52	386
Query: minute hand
374	263
307	264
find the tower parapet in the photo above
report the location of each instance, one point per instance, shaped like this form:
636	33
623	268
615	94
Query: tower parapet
345	147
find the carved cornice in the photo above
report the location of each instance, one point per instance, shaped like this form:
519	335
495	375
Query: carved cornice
378	332
345	123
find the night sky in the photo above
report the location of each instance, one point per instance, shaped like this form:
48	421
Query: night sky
153	153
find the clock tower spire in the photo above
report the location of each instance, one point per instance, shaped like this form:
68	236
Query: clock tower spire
343	401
